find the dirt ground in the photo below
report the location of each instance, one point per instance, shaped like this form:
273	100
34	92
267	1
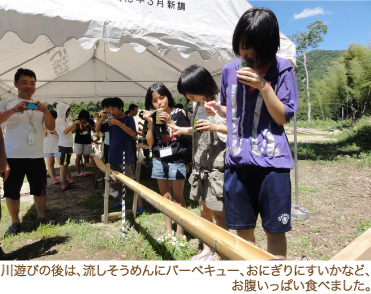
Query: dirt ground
337	194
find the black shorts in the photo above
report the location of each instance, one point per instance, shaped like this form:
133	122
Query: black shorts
35	171
66	153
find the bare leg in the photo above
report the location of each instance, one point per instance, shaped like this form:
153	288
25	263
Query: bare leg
40	202
140	202
206	213
178	187
276	244
77	163
13	208
50	165
219	217
64	172
164	186
69	173
247	234
86	160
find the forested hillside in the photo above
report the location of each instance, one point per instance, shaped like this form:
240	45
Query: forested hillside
339	82
317	62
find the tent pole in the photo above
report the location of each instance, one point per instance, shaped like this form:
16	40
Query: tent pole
297	212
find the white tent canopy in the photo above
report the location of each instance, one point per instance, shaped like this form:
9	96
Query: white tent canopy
88	50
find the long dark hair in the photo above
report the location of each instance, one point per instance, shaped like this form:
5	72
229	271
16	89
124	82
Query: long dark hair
163	91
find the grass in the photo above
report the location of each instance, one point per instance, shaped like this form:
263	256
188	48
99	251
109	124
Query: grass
80	237
80	234
353	143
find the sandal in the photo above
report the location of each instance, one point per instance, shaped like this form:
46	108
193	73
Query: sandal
166	237
201	255
180	241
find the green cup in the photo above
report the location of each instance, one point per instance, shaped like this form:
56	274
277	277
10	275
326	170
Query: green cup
194	124
245	63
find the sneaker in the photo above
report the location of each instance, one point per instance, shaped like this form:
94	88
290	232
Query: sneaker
78	174
55	181
201	255
69	187
117	205
71	181
85	174
113	194
14	229
165	237
45	221
140	210
180	241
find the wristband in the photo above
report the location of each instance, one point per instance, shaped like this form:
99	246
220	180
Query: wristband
266	87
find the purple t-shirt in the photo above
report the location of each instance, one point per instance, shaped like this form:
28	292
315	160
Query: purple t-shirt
254	139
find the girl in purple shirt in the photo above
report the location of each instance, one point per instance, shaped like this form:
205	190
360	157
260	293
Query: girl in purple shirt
258	96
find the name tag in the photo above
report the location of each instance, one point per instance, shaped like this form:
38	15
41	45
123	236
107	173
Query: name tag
31	138
166	151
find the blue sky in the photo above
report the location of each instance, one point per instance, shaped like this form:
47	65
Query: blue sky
347	21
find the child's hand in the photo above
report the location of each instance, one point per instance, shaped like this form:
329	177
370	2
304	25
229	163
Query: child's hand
147	115
76	122
203	125
175	130
113	121
212	104
251	77
164	116
103	116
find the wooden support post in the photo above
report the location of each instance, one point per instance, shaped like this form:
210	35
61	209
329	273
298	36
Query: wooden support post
137	178
106	192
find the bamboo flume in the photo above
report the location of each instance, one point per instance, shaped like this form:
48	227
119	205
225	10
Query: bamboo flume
228	245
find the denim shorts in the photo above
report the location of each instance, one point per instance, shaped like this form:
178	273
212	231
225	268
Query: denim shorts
168	171
264	191
55	155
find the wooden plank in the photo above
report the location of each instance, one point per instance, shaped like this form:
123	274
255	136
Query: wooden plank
106	193
116	215
137	178
358	249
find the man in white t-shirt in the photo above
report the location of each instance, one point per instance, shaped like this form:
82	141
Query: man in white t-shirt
24	121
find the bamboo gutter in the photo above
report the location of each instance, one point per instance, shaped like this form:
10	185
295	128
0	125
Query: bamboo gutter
228	245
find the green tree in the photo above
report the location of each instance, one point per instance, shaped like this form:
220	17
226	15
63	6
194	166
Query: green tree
305	41
345	90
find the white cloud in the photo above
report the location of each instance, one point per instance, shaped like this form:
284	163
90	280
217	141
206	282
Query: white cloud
307	12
